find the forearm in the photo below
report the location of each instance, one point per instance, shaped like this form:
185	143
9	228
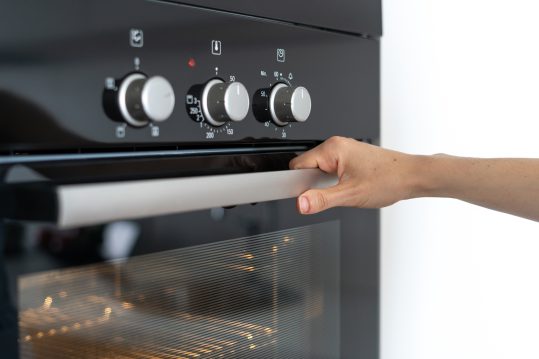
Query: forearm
507	185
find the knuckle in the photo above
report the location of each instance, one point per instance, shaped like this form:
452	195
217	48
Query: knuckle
335	140
338	141
321	201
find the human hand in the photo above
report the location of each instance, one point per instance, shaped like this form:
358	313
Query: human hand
369	176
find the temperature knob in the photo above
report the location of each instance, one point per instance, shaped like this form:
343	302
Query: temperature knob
142	99
288	104
222	102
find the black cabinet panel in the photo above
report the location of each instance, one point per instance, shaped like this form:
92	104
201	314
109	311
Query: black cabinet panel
358	16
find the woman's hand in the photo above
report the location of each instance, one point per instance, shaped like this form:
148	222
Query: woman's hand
369	176
373	177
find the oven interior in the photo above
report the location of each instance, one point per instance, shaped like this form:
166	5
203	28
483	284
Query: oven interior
275	295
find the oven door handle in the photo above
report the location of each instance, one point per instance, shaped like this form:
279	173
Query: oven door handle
76	205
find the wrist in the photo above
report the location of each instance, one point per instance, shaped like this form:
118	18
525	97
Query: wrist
425	175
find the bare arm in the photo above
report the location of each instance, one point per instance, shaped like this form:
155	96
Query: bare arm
373	177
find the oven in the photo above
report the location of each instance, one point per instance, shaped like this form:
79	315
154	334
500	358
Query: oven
147	206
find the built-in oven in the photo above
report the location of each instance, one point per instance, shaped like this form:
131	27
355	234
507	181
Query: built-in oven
147	206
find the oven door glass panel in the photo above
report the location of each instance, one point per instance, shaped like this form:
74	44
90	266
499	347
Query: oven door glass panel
274	295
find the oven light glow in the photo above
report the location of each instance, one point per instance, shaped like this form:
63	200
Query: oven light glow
127	305
200	349
209	345
183	352
106	313
243	268
47	303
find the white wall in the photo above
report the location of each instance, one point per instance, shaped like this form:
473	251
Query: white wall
460	77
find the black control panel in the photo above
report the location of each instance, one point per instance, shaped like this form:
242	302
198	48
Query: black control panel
112	74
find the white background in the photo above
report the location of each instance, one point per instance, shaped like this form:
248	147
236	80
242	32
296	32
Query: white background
460	77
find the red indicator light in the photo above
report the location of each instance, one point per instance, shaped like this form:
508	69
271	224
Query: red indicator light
191	63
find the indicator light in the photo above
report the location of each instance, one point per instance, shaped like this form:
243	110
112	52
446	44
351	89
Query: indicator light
191	63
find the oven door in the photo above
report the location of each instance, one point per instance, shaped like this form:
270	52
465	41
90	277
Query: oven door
206	258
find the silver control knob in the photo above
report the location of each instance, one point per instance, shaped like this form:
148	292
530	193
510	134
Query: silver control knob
289	104
143	99
222	102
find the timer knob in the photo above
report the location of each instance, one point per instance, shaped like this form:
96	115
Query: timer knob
289	104
222	102
142	99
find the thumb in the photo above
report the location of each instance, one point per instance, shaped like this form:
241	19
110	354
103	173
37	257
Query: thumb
318	200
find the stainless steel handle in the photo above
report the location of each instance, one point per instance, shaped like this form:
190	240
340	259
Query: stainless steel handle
87	204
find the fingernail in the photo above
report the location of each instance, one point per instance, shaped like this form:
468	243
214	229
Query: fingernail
304	204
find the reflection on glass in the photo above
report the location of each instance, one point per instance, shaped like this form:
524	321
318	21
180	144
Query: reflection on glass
269	296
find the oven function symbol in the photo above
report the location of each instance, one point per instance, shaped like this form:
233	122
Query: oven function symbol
216	47
281	55
155	131
139	100
136	63
136	38
192	103
110	83
282	104
120	131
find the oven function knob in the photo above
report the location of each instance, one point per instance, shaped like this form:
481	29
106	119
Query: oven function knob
142	99
222	102
289	104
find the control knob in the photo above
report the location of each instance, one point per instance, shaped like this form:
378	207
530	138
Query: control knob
142	99
222	102
282	104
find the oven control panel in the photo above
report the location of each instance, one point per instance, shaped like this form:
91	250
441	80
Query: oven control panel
171	74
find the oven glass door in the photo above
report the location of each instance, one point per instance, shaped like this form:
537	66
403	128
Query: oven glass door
273	295
253	280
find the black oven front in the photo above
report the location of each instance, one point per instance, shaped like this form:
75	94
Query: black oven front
147	206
